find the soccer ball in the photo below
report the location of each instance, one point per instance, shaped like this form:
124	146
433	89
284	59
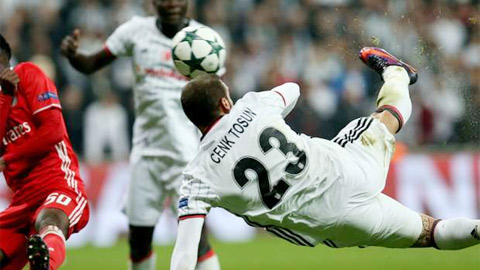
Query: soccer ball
198	50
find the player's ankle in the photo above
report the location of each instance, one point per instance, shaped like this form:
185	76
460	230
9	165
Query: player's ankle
55	240
147	263
394	95
396	73
210	263
52	229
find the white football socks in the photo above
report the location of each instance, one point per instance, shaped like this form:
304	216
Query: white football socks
52	229
211	263
457	233
146	264
394	94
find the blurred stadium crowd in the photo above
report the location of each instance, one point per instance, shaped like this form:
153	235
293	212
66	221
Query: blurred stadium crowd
312	42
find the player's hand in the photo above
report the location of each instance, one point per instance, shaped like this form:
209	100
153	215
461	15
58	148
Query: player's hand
9	81
3	165
69	44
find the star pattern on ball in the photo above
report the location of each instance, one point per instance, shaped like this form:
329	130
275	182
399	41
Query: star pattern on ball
190	37
216	48
194	63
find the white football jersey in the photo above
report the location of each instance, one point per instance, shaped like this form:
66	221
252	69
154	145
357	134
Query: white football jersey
252	164
161	127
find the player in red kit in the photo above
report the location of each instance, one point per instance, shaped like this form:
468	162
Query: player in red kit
49	202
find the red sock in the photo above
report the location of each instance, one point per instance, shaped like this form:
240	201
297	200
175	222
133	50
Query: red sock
55	241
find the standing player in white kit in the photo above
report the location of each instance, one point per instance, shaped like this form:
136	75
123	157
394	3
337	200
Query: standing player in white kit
302	189
163	138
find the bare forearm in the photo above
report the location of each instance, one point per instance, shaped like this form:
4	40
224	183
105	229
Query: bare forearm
87	64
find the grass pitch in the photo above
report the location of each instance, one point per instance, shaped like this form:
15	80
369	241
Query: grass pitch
268	253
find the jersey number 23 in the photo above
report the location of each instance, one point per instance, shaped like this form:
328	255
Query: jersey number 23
271	196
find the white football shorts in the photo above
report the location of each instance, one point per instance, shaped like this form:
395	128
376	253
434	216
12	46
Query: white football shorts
154	185
370	218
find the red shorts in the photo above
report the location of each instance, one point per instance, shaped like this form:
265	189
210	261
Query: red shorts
18	220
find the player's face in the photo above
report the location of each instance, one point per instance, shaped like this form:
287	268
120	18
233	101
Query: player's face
171	11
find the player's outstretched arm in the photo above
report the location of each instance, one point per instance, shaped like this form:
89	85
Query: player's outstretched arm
289	92
185	253
85	63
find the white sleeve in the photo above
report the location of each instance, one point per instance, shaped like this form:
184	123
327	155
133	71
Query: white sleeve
284	96
120	42
289	92
196	198
185	253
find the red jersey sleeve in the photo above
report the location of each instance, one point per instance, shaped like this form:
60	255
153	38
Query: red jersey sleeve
50	131
39	90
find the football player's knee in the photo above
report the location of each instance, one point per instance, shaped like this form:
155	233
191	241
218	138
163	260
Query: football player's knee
52	217
140	240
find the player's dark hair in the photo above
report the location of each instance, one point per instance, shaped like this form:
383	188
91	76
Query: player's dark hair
5	47
201	97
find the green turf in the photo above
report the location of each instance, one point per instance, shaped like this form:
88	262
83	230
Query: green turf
268	253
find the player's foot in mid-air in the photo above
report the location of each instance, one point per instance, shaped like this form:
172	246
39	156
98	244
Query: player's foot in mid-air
38	254
379	59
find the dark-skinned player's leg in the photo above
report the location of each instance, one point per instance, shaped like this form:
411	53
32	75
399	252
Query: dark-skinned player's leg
143	209
140	241
63	212
47	249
